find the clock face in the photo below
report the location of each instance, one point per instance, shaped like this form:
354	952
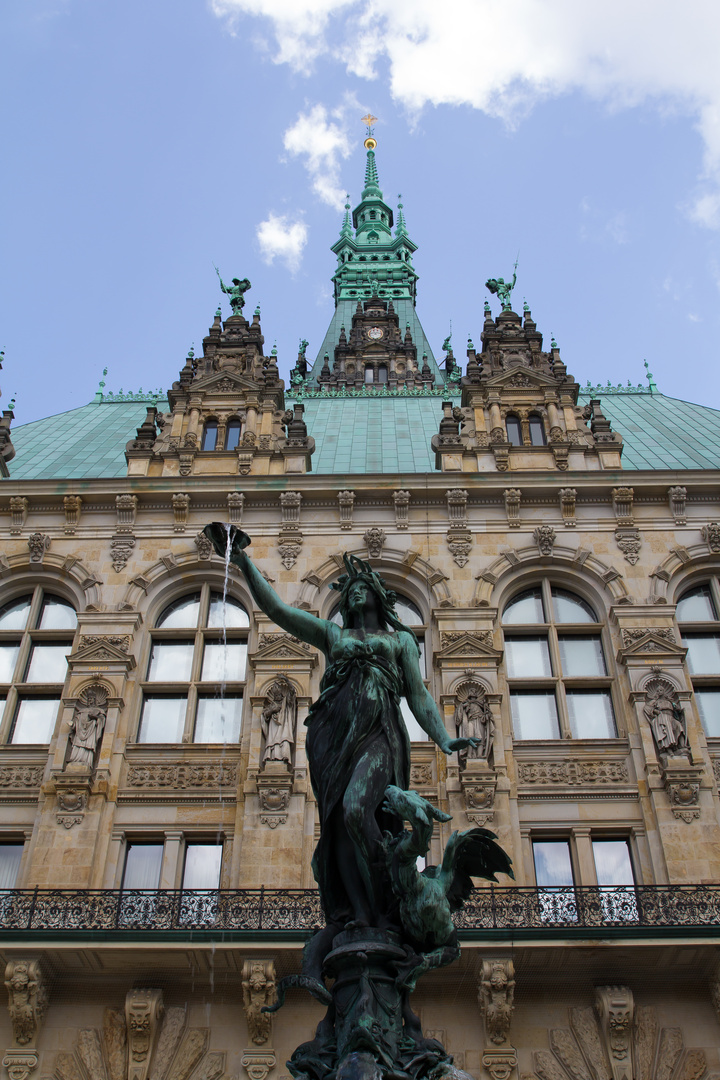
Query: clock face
375	333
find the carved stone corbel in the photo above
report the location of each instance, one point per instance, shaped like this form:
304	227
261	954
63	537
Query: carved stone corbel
496	997
18	513
259	990
20	1063
27	1001
568	498
258	1063
402	503
615	1008
72	505
346	501
677	499
236	504
143	1011
180	505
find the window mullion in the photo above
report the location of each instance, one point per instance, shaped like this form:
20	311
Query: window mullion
35	608
547	599
715	593
190	714
8	715
560	702
204	612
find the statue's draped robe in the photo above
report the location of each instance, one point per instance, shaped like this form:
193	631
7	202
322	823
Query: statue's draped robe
355	720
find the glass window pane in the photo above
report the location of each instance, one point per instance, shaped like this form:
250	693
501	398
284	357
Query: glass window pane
8	659
232	435
612	862
181	613
170	661
14	616
696	606
703	656
525	608
570	608
527	657
534	716
591	714
537	431
369	375
582	656
202	866
514	432
10	856
235	613
415	732
708	702
407	612
224	663
57	614
162	720
553	868
48	663
142	866
210	433
218	719
35	720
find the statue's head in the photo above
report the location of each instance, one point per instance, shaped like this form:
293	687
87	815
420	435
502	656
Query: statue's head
362	586
236	281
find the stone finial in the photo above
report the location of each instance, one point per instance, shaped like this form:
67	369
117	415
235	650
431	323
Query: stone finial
615	1008
27	1000
180	505
143	1011
568	498
126	509
545	537
496	998
72	505
38	543
677	499
236	504
402	503
374	539
259	990
512	498
346	499
18	513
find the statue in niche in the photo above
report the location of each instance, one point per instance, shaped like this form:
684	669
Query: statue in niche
278	721
86	728
473	719
666	718
385	922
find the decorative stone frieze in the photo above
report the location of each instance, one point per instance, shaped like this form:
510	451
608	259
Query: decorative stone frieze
180	505
38	543
615	1008
204	546
280	642
622	498
568	497
346	502
21	776
217	774
449	637
629	542
72	505
512	498
143	1012
374	541
677	500
121	548
711	535
421	774
634	634
496	997
545	537
401	500
125	510
27	1000
259	991
18	513
236	505
572	773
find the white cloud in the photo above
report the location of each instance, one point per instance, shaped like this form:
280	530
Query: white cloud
280	238
321	139
503	58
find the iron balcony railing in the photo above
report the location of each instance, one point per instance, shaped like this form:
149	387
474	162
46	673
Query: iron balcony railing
490	911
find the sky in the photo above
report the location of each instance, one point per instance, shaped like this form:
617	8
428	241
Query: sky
144	141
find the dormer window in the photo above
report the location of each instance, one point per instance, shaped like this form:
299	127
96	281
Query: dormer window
514	431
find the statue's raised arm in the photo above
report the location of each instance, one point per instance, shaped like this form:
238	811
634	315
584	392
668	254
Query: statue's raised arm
302	624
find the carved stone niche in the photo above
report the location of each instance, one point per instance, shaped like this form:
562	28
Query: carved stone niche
666	717
473	719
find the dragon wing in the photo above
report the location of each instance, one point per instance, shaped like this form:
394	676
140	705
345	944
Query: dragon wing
469	854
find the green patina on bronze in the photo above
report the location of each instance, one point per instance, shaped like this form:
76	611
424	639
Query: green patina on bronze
235	292
386	923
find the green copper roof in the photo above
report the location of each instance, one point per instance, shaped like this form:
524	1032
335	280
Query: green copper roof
79	444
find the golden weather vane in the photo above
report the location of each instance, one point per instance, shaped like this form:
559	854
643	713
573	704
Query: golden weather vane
370	142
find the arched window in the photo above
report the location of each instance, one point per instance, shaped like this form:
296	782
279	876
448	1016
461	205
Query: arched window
556	668
697	613
537	430
514	431
210	434
232	435
36	636
195	676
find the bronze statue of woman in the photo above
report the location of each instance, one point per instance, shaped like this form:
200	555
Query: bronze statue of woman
357	744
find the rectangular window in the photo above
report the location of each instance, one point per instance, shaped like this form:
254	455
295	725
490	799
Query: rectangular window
35	720
708	703
142	866
528	657
218	719
48	664
534	715
8	659
613	867
416	733
170	661
581	656
591	714
162	720
703	656
554	879
10	856
224	663
202	866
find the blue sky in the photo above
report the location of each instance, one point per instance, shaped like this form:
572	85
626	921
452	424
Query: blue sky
143	141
